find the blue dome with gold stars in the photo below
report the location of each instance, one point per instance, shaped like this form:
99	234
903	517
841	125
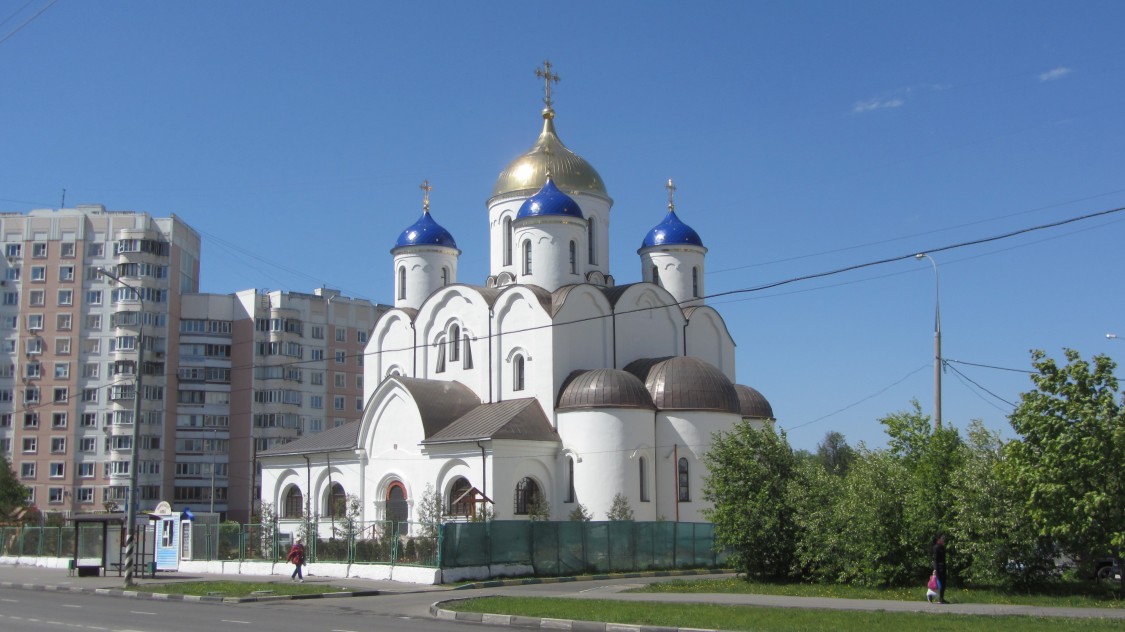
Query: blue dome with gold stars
549	201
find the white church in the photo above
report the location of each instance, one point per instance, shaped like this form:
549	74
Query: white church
546	387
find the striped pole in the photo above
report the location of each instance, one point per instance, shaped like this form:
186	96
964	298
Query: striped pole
129	558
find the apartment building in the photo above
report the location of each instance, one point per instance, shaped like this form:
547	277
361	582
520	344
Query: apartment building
70	344
223	377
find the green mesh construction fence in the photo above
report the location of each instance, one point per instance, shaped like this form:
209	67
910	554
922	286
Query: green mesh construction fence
567	548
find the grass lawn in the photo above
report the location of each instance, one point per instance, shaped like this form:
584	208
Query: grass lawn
240	589
1076	594
758	619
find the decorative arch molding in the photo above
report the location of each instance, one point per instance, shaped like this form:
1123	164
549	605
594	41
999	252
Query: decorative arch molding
517	351
571	453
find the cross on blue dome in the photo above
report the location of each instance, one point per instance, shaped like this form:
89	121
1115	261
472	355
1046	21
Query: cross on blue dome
672	232
549	201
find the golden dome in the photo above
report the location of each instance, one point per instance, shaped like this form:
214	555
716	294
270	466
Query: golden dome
568	170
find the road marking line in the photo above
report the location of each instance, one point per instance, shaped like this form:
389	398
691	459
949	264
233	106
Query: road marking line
139	612
233	621
70	605
10	600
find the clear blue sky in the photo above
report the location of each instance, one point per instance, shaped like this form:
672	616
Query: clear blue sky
803	137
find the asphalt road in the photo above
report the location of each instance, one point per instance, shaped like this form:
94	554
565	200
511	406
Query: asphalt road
40	611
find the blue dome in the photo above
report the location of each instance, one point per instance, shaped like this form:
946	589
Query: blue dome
671	232
425	232
549	201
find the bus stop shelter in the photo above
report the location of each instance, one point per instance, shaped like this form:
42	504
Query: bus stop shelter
93	560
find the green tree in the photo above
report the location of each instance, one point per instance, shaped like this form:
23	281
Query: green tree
834	454
752	508
1071	435
539	509
13	494
431	512
580	514
620	509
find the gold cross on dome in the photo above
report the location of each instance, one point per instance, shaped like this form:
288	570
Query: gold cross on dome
548	78
426	188
671	195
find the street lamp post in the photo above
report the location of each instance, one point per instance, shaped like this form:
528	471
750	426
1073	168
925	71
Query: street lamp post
131	495
937	339
1112	337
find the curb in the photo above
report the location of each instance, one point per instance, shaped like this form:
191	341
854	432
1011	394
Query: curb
574	625
138	594
499	583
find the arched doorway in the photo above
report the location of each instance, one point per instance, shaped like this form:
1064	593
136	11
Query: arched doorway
398	511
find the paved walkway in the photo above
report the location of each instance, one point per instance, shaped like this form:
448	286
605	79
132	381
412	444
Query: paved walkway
399	598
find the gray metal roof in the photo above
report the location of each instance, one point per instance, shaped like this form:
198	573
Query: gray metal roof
686	383
521	419
604	388
345	437
439	402
753	404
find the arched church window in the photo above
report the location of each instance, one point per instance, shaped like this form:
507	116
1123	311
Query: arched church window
573	257
656	276
517	373
527	257
591	244
468	361
439	367
644	480
401	282
294	503
398	512
337	501
570	495
507	241
444	276
460	503
683	481
527	496
695	282
455	343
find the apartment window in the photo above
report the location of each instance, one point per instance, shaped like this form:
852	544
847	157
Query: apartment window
338	402
32	370
34	345
361	337
39	250
359	359
89	420
316	378
12	273
62	394
94	297
62	370
8	346
36	298
341	334
359	404
66	297
86	470
93	346
66	249
316	402
88	444
66	273
35	322
95	250
316	354
30	445
38	273
318	332
63	322
5	420
31	420
5	445
11	298
341	357
13	250
55	495
90	395
57	470
6	395
85	495
58	445
27	470
91	369
359	382
340	380
31	396
58	420
10	321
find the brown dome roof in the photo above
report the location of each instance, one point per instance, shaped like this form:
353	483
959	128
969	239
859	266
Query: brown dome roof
604	388
685	383
754	405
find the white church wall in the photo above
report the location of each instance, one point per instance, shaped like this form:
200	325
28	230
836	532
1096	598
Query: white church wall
550	251
390	346
596	209
646	327
424	270
605	445
582	334
511	462
523	328
464	308
674	270
686	434
709	340
497	213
